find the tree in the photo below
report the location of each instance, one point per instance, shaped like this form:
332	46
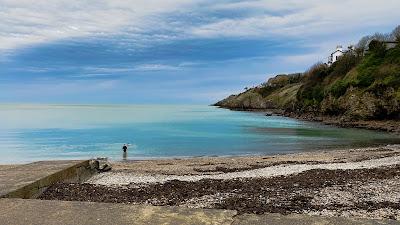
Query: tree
395	35
380	37
316	72
362	45
377	47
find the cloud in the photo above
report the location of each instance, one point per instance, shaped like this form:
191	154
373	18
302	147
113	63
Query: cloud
156	67
133	68
295	19
109	72
27	22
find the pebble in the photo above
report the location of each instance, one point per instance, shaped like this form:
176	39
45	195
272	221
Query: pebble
125	178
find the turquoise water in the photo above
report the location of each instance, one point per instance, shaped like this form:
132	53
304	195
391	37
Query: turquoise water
46	132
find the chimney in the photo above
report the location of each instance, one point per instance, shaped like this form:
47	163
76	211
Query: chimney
339	47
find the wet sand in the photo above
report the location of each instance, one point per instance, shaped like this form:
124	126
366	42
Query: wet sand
351	183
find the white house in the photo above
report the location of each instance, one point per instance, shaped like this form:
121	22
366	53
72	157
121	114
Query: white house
336	55
340	52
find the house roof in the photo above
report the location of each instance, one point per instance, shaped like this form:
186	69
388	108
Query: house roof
337	50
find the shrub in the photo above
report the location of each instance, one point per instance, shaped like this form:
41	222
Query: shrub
314	93
339	88
393	55
278	81
367	68
365	79
398	94
392	80
295	78
266	90
378	88
344	64
316	72
389	75
318	93
377	47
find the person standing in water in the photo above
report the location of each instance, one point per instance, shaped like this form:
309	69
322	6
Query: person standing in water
125	149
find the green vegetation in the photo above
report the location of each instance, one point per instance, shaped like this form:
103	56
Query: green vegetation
362	84
278	82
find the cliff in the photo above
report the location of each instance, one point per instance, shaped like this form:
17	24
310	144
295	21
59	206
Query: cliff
360	86
278	93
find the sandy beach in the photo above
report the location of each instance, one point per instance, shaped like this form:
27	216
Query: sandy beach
362	182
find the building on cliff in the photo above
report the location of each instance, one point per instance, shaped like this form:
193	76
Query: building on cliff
388	44
338	53
335	55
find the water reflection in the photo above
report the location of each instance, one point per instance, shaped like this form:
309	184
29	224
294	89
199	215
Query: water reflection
124	155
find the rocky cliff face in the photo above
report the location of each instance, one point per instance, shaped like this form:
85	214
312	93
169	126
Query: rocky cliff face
357	104
278	93
355	88
245	101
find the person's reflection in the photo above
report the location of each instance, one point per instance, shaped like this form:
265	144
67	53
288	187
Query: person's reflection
124	155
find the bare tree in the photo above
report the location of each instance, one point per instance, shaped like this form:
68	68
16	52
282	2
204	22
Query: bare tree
395	35
380	37
362	44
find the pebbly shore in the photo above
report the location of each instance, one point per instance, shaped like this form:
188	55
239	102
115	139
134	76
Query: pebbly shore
361	182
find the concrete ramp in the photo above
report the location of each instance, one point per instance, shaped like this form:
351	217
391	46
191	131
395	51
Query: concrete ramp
28	180
32	211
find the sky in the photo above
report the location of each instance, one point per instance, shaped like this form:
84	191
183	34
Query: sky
169	51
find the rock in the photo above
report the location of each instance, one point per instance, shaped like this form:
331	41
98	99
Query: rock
106	168
104	165
94	164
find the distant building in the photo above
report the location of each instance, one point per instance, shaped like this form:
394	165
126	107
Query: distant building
388	44
338	53
335	55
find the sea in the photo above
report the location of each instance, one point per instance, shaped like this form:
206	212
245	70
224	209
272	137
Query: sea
33	132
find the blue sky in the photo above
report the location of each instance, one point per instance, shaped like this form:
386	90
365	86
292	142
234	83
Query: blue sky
169	51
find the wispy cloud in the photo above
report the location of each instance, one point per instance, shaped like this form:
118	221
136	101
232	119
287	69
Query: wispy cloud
28	22
115	71
156	67
293	18
134	68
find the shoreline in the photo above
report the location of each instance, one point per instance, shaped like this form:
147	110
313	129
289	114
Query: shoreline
211	157
389	125
361	182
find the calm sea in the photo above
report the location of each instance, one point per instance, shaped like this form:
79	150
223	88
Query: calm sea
46	132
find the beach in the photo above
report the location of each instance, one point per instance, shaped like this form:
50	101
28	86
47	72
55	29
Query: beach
358	182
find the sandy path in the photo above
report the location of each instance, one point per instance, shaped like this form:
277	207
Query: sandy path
124	178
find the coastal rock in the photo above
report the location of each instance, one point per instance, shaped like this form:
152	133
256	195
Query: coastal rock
103	165
247	100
